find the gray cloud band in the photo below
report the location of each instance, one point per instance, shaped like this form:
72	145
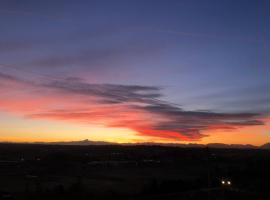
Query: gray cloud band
162	117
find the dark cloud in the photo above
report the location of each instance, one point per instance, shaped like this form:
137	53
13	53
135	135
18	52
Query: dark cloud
155	116
109	93
136	107
191	123
4	76
7	78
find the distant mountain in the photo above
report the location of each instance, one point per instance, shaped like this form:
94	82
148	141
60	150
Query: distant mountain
89	142
190	145
266	146
82	143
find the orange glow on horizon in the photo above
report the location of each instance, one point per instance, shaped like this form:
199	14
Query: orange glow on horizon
32	130
32	113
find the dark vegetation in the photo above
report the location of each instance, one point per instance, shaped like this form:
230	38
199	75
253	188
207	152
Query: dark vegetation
132	172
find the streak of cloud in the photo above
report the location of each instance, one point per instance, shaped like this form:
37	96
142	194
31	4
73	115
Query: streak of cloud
136	107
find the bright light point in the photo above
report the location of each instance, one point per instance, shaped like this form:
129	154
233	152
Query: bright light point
229	182
223	182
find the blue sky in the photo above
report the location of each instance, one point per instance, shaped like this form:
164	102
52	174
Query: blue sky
205	55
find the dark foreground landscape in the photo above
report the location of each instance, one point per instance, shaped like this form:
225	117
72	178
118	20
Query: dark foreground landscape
132	172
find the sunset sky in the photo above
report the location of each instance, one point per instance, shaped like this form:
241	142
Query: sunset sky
170	71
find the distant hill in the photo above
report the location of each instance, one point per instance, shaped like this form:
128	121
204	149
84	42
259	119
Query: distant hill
194	145
82	143
231	146
266	146
190	145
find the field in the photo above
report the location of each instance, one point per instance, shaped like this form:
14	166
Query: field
32	171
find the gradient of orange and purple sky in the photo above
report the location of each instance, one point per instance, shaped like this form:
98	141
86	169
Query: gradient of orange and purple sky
135	71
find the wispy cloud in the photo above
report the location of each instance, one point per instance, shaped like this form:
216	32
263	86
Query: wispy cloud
136	107
4	76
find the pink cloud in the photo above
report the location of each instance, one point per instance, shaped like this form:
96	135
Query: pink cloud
136	107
